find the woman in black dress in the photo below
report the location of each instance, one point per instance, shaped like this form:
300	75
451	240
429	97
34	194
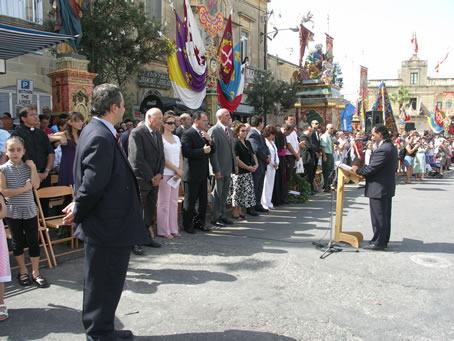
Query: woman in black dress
242	185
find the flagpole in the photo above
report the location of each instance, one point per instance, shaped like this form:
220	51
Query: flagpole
383	101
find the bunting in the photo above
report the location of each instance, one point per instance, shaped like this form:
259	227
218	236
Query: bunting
383	104
229	95
436	121
225	51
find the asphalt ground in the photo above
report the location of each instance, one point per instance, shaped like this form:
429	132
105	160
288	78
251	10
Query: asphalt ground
263	279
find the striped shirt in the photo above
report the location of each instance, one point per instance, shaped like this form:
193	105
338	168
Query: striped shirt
20	206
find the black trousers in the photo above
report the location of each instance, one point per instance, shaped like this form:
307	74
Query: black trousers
104	277
312	169
258	188
280	189
149	202
380	214
194	191
45	202
24	233
290	165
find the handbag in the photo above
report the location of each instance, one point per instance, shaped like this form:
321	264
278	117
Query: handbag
299	167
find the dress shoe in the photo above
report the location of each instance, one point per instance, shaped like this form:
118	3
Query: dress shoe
261	209
217	223
374	247
190	230
203	228
123	334
137	250
153	244
252	212
371	242
226	221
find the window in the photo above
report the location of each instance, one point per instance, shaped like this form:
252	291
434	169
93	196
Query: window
153	9
439	105
413	102
30	10
414	78
244	39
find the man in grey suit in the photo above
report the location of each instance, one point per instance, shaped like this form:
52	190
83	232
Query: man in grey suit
223	163
146	155
380	186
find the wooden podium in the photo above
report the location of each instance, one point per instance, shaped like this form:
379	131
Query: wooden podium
352	238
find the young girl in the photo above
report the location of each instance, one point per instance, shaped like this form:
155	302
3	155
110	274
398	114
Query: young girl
5	273
17	179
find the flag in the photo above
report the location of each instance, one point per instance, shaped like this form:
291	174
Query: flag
436	121
225	51
383	104
437	67
305	37
197	82
229	95
195	46
414	41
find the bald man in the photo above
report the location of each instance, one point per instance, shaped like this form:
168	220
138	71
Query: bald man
224	163
146	155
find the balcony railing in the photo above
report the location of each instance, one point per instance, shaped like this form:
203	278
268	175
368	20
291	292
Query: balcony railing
30	10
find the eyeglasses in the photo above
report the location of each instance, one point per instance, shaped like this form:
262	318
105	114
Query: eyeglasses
170	123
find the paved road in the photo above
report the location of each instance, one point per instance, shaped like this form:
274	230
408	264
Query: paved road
263	280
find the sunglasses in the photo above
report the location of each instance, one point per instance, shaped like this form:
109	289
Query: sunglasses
170	123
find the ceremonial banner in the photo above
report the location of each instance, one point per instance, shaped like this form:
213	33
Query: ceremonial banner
436	121
363	92
195	46
415	43
305	37
329	46
225	51
229	95
211	16
197	82
383	104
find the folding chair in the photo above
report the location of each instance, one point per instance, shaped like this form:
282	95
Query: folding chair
54	222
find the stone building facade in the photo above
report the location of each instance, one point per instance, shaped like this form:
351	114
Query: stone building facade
426	91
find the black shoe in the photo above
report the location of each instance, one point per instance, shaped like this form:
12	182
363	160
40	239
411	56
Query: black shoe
226	221
204	228
123	334
252	212
371	242
261	209
153	244
190	230
217	223
137	250
374	247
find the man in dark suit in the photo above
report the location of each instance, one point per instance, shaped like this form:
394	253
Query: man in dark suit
124	137
263	156
224	163
315	141
380	186
146	155
308	154
197	148
185	124
107	214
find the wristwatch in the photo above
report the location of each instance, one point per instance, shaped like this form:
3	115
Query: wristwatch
47	170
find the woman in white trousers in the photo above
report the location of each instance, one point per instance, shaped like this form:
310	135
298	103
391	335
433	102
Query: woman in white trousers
269	133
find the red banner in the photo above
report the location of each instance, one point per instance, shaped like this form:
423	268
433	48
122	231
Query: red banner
225	51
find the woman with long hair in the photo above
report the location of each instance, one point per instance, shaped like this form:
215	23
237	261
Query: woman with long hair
411	151
69	138
167	206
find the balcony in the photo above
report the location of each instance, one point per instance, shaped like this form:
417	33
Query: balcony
29	10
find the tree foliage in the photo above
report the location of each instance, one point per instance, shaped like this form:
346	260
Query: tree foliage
401	97
263	93
118	39
287	94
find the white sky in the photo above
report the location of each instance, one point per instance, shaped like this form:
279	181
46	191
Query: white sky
372	33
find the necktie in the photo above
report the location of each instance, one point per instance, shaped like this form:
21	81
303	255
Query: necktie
227	133
119	142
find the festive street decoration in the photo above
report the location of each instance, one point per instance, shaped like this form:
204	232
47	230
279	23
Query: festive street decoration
211	16
229	95
383	104
363	92
305	37
436	121
437	67
414	41
225	51
195	46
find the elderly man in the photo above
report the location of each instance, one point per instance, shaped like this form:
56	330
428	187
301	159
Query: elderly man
146	155
224	163
327	148
106	212
293	148
185	124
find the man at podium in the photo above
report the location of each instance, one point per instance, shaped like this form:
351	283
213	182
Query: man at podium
380	186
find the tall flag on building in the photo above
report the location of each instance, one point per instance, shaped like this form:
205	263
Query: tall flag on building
383	104
437	67
225	51
363	92
305	37
187	67
229	95
436	120
414	41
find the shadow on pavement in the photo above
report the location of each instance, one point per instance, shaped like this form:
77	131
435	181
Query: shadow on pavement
414	245
228	335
